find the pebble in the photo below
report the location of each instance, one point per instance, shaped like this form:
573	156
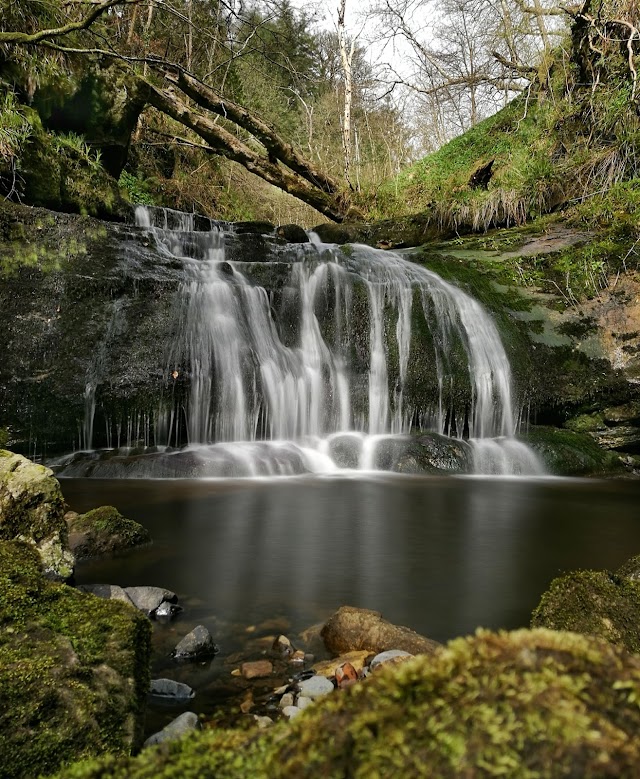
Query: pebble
315	687
291	711
257	669
168	689
286	700
283	645
263	722
388	657
303	702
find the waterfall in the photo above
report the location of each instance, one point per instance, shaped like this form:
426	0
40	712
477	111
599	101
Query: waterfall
311	359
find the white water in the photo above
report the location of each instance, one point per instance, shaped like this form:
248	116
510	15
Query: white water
257	389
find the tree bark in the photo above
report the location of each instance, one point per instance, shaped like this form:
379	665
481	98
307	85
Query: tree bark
221	141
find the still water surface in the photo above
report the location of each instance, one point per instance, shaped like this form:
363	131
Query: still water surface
441	555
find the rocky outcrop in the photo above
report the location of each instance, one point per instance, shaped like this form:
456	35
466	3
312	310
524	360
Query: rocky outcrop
350	629
31	510
514	704
103	531
593	602
73	670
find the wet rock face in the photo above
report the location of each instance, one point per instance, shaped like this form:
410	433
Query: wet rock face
31	510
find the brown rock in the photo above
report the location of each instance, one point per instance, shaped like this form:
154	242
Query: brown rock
257	669
355	659
346	674
351	628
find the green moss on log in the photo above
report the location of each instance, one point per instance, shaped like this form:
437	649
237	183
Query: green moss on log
598	603
529	704
73	670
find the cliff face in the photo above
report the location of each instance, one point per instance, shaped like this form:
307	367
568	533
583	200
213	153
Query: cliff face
90	311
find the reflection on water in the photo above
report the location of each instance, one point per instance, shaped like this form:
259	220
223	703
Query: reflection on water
442	556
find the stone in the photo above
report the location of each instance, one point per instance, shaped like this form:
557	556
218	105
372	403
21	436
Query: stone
630	569
170	690
257	669
196	644
391	656
298	657
167	610
148	599
286	700
353	628
346	675
291	711
181	725
303	701
107	591
32	510
357	659
292	233
315	687
103	531
262	722
283	646
596	603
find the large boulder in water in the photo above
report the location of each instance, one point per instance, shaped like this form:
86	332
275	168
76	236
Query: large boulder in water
103	531
529	703
74	670
351	628
32	510
593	602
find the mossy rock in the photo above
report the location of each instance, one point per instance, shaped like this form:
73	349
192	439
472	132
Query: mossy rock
630	569
103	531
31	509
598	603
570	453
526	704
74	670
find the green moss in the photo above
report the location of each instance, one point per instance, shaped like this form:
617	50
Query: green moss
104	531
593	602
529	704
570	452
73	670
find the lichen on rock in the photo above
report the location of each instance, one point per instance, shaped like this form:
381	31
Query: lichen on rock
31	510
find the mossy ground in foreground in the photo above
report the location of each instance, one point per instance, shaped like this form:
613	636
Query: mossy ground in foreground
529	704
74	670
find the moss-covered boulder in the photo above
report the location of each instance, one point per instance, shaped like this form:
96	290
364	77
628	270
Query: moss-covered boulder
103	531
73	670
526	704
571	453
31	509
593	602
630	569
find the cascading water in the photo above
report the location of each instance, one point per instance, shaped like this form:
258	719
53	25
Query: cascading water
313	371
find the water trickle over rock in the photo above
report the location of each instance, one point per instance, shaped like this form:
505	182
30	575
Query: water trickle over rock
308	357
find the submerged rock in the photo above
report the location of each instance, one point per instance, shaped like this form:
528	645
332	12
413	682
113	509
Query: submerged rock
593	602
31	510
180	726
170	690
529	703
103	531
351	629
196	644
74	670
107	591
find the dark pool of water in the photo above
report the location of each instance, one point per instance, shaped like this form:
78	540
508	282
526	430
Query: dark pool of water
441	555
